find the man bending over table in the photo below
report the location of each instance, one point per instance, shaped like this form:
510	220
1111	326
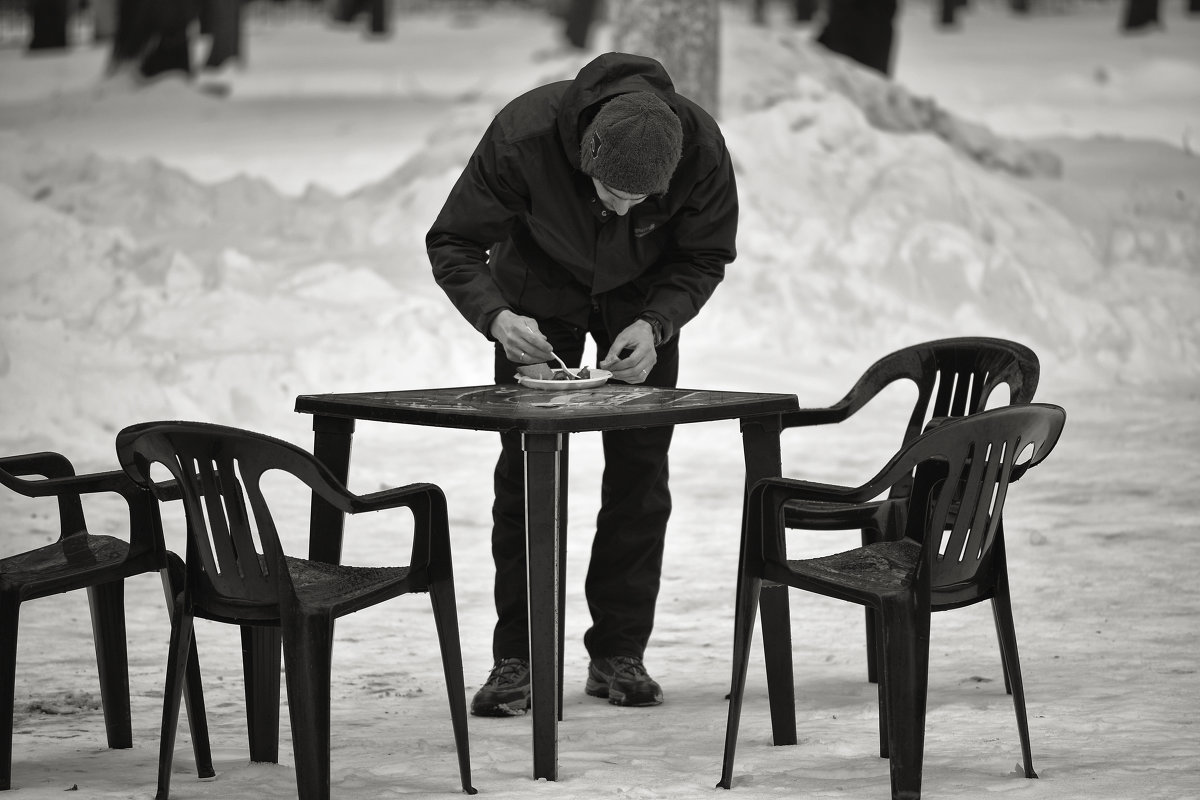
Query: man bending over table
603	206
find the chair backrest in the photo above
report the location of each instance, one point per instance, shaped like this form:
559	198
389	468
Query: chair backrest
953	377
235	562
963	469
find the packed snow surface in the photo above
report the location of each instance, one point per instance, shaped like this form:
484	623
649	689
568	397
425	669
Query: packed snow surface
168	253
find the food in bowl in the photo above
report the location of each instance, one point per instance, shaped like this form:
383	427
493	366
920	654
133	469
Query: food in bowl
581	374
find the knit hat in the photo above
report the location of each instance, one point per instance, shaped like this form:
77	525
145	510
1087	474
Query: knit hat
633	145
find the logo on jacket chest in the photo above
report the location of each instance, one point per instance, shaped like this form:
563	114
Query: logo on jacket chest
639	232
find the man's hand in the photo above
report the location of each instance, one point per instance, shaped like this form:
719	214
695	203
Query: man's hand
522	341
640	358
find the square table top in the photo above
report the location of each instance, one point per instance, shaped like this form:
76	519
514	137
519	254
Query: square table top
517	408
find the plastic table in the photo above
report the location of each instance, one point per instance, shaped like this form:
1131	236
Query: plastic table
545	420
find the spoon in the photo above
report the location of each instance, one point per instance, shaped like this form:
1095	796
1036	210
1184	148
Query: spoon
571	376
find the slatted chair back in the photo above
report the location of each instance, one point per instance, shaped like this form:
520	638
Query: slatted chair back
953	378
958	498
235	558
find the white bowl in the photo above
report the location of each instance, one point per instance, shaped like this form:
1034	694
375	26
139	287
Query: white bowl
598	377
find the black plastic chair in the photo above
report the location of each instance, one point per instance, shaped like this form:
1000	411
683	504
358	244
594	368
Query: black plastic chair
953	378
230	579
948	552
98	563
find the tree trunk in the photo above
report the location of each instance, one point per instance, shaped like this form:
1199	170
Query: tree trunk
682	34
104	20
580	16
131	37
379	18
948	12
345	10
802	11
805	10
48	24
1140	14
224	25
862	30
378	13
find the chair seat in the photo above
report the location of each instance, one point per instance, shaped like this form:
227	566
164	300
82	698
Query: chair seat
335	585
881	568
69	559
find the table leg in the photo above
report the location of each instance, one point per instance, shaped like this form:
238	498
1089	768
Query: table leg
545	509
563	469
760	443
332	438
262	646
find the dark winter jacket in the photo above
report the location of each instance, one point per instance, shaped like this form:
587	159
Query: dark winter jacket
555	251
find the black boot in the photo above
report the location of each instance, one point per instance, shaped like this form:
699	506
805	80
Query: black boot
506	692
624	681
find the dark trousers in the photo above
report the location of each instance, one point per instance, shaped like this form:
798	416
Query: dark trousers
635	503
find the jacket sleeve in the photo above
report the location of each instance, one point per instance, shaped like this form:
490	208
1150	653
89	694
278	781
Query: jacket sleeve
479	212
704	236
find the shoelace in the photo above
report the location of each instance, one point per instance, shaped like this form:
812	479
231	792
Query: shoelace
630	666
507	670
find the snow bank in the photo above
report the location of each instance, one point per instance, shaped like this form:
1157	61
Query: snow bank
133	291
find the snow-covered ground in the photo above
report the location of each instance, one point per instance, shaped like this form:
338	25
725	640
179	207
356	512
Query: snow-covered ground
169	254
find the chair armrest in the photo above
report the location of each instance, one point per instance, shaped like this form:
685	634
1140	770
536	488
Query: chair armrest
827	515
782	490
870	384
57	477
61	483
824	506
167	491
390	498
431	534
44	464
807	417
786	499
823	515
778	505
115	481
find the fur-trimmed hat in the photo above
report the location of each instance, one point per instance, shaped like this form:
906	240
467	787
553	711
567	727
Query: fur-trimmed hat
633	145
